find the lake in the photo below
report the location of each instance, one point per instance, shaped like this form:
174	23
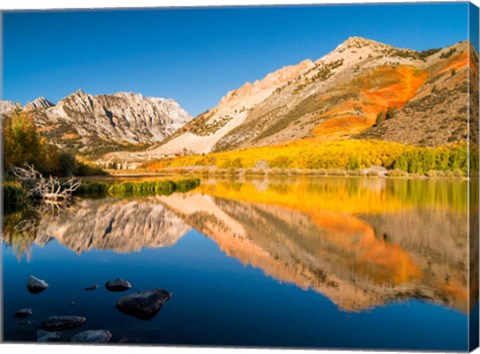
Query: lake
278	262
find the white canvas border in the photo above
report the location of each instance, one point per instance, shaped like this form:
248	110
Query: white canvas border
98	4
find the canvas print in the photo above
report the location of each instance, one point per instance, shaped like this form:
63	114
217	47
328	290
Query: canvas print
263	176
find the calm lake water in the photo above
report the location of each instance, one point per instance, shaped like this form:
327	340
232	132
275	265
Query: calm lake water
331	263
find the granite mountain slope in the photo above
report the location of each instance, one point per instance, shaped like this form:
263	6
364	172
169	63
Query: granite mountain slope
92	125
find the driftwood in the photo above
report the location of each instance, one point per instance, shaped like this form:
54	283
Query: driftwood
50	189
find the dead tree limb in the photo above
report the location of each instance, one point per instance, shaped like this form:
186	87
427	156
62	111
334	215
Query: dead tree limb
42	188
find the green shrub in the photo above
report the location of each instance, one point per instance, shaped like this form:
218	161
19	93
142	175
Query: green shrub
281	162
127	188
426	53
422	160
448	54
353	163
391	111
14	195
96	188
380	118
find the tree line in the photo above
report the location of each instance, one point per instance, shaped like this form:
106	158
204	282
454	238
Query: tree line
23	144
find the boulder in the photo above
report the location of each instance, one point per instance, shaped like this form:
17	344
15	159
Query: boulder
36	285
145	304
23	313
63	322
93	287
118	285
46	336
92	336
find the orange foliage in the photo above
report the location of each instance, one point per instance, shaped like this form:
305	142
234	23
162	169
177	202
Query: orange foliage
408	81
384	87
456	62
344	125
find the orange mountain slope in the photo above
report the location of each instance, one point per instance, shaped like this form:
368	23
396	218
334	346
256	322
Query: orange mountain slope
337	97
384	87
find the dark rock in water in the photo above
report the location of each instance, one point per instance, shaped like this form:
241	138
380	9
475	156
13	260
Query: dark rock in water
92	336
23	313
93	287
118	285
63	322
46	336
145	304
36	285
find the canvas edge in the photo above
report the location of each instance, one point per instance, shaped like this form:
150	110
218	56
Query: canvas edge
473	198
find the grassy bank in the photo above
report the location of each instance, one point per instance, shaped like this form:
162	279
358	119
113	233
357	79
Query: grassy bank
132	188
213	172
15	196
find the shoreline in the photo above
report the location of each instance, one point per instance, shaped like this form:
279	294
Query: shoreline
212	172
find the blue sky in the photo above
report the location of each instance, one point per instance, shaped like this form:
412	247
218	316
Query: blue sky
196	56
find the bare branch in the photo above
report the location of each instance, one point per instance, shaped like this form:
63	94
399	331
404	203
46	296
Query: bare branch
40	188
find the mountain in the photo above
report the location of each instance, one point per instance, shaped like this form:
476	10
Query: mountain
8	107
339	96
361	90
93	125
39	104
207	129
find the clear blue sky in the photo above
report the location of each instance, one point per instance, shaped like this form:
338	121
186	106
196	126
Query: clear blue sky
197	55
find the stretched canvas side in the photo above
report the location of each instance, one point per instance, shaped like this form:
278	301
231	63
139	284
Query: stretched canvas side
473	141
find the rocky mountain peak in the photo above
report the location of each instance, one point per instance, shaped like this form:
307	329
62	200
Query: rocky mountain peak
355	49
79	92
360	42
112	120
354	44
268	83
39	103
128	95
79	100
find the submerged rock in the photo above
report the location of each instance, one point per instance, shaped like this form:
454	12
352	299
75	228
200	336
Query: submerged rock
92	336
23	313
118	285
36	285
145	304
46	336
93	287
63	322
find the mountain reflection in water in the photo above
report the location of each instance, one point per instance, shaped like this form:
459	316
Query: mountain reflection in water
362	243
